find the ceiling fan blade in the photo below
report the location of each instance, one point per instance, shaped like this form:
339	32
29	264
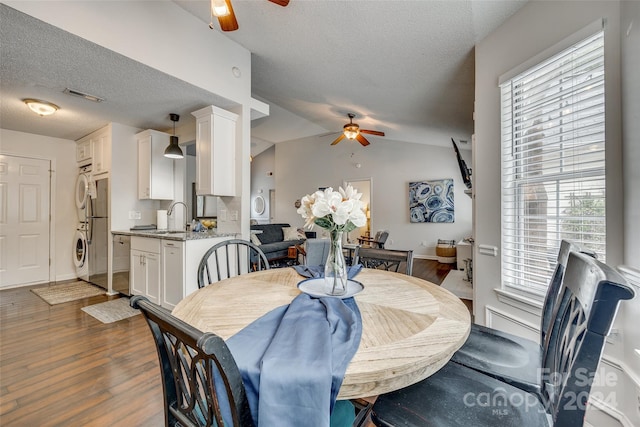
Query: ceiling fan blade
372	132
282	3
228	22
340	138
362	140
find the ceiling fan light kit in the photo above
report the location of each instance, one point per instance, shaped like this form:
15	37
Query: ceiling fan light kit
219	8
352	131
223	10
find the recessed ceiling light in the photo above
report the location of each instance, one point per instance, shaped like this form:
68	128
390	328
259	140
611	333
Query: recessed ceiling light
42	108
87	96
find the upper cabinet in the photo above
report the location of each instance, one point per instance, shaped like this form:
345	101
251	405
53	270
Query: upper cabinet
101	148
95	149
155	172
83	151
215	152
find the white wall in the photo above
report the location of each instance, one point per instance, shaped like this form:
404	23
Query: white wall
536	27
65	216
261	182
304	165
630	39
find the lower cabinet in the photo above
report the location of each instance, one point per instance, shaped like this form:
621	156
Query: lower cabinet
173	272
145	270
164	270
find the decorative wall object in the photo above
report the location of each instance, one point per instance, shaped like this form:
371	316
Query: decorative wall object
431	201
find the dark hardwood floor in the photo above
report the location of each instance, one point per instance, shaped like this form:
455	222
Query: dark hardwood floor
60	366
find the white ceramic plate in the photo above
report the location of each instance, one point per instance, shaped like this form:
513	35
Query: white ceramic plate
316	288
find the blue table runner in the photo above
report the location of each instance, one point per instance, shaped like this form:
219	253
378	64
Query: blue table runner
293	359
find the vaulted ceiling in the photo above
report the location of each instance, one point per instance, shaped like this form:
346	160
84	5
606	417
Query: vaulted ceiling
403	67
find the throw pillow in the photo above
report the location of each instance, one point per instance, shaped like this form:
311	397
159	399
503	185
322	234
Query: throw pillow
291	233
255	240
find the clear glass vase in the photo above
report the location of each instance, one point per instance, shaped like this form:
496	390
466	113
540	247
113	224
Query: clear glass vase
335	269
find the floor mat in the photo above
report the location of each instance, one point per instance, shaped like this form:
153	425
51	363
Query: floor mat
455	284
111	311
58	294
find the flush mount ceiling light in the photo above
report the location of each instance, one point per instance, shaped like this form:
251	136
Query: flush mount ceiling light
173	151
42	108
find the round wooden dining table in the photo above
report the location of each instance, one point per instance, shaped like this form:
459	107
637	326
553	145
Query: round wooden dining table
410	327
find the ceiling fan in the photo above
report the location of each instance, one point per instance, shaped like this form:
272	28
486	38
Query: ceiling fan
353	131
223	10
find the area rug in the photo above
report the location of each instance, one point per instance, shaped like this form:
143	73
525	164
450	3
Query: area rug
111	311
455	284
72	291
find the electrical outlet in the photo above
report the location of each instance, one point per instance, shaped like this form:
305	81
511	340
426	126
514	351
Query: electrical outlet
223	215
234	215
423	243
135	215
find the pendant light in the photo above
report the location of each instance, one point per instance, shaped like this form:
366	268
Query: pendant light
174	151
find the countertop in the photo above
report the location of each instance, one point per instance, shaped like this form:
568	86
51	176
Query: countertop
174	234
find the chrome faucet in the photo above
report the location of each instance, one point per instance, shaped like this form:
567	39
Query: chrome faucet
173	205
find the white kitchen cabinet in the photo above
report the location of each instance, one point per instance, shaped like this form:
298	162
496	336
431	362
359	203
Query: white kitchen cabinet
173	272
83	151
95	149
155	172
215	152
145	268
166	270
101	150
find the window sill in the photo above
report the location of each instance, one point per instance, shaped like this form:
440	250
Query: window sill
528	304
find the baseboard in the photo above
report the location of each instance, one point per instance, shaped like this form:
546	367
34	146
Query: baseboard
501	320
431	257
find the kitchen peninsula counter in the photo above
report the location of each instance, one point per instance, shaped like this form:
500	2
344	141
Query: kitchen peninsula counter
164	264
175	234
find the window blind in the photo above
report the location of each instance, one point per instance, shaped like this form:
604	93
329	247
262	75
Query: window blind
553	163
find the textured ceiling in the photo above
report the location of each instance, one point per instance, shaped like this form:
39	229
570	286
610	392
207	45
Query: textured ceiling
404	67
39	61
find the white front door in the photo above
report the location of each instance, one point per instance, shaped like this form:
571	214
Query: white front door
24	220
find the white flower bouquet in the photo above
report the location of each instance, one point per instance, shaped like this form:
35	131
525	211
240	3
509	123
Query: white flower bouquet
336	211
332	210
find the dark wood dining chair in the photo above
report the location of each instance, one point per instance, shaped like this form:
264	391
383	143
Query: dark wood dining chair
458	396
377	241
510	358
230	258
388	259
200	379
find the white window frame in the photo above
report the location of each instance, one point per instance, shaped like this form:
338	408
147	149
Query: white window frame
527	266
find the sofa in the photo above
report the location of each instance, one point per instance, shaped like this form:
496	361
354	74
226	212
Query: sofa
272	240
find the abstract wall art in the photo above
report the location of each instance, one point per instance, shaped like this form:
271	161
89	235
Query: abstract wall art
431	201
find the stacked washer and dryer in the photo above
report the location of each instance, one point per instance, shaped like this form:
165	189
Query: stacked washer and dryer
80	241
